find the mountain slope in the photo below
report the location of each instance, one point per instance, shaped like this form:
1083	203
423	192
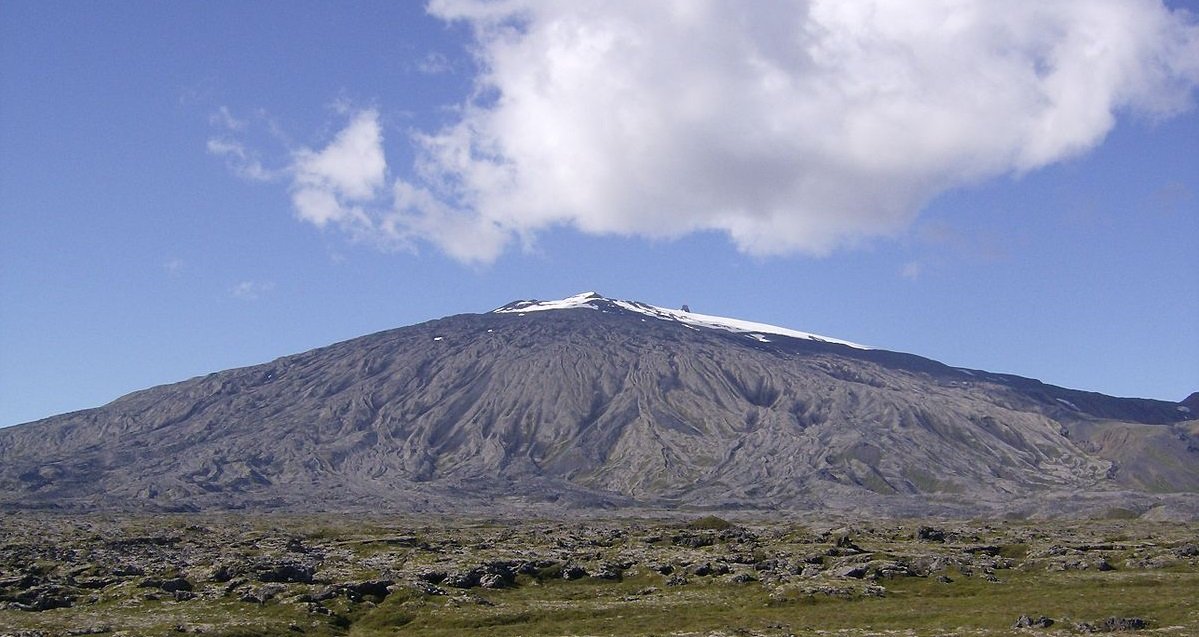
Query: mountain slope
595	402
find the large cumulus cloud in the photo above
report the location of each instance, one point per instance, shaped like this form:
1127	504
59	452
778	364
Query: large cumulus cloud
791	126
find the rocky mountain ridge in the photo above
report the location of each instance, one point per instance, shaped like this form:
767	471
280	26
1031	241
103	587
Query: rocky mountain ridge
603	404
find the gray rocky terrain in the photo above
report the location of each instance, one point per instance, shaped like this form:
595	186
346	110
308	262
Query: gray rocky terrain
221	574
605	408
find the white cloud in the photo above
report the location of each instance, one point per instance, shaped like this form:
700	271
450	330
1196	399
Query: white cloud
792	126
240	160
223	118
343	184
329	185
435	63
252	290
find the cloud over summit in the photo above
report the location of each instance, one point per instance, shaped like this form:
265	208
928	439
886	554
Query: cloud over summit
791	126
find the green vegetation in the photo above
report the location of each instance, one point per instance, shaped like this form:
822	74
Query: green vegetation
710	522
708	576
928	607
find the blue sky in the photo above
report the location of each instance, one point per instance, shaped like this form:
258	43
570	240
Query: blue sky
188	187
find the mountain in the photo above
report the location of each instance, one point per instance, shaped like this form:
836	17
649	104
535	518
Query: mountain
596	403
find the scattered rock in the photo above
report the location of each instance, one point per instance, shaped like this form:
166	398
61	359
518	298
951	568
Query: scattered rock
42	597
433	577
772	558
1112	624
28	580
492	580
175	584
128	570
607	572
286	572
378	589
429	589
930	534
168	585
889	570
767	566
855	571
222	573
98	629
233	585
262	594
95	583
325	594
462	579
846	545
573	571
1187	550
694	540
1026	621
317	609
296	545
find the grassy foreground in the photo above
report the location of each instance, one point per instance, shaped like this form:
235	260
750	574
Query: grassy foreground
339	576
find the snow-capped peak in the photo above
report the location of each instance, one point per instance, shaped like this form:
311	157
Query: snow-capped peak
595	301
585	299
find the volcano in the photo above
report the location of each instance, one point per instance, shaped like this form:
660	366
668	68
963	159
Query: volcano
593	403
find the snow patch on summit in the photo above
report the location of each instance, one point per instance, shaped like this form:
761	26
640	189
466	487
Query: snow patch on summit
586	299
595	301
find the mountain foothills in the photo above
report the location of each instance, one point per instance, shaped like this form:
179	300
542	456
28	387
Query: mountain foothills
592	403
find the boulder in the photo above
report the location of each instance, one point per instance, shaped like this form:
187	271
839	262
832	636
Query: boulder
492	580
854	571
677	580
286	572
43	597
1112	624
930	534
1027	621
463	579
432	577
222	573
573	571
377	588
169	585
176	584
